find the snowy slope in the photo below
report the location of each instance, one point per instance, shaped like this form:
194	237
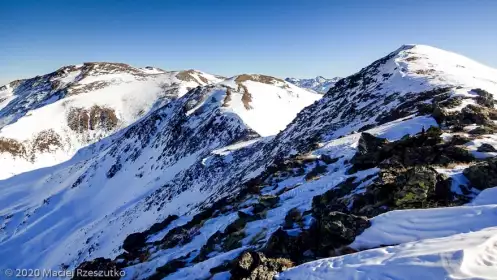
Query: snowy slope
49	118
319	84
447	243
264	103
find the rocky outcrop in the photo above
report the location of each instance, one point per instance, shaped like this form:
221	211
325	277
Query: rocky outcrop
482	175
46	141
134	242
12	146
97	269
426	148
328	235
256	266
82	120
486	148
266	202
471	114
334	230
414	186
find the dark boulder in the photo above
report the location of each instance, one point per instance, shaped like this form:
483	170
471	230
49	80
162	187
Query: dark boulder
334	230
327	159
256	266
368	151
134	242
266	202
443	193
473	114
104	268
415	186
331	199
293	216
404	188
459	140
482	175
210	246
486	148
316	172
292	246
484	98
483	130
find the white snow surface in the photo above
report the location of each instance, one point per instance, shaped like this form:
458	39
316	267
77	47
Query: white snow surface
273	106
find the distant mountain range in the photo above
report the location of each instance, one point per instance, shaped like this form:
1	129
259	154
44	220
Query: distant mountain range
318	84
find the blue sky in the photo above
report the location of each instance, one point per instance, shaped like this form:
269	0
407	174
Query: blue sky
280	38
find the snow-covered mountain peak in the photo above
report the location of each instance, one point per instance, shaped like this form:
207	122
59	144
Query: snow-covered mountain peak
77	105
430	66
392	87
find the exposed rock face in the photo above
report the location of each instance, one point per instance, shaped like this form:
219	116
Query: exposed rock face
191	76
368	150
425	148
134	242
256	266
415	185
483	175
293	216
471	114
266	202
484	98
334	230
12	147
401	188
46	141
81	120
257	78
292	246
487	148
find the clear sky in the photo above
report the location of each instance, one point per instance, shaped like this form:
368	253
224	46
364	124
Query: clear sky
281	38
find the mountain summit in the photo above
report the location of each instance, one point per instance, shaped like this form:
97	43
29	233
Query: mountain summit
204	185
